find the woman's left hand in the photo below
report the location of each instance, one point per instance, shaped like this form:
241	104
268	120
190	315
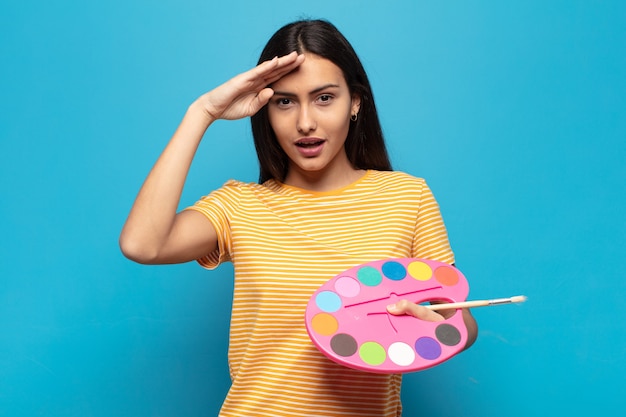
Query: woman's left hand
415	310
423	313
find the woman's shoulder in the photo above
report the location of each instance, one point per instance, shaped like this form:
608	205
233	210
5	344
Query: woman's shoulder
400	177
394	185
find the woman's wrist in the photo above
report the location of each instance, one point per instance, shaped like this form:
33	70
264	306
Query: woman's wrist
197	110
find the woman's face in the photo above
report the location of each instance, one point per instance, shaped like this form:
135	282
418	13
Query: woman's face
310	115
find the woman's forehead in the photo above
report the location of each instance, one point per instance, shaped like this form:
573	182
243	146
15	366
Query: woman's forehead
314	73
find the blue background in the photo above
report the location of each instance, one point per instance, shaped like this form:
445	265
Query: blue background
513	111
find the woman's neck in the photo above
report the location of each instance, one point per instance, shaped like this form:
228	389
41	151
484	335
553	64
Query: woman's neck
328	180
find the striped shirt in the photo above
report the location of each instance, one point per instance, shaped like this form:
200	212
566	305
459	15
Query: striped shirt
284	243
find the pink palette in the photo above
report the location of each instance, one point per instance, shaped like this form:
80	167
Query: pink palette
347	317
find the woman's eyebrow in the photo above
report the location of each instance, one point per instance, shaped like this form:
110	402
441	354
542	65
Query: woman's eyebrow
314	91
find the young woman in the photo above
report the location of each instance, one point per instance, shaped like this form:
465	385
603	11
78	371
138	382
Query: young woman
326	200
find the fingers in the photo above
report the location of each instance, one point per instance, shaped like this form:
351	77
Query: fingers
273	70
263	97
266	73
415	310
286	62
244	94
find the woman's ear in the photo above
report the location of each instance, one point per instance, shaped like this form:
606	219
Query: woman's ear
356	104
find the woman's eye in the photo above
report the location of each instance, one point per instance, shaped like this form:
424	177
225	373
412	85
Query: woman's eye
325	98
283	102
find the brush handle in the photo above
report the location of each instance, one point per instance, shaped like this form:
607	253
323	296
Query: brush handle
477	303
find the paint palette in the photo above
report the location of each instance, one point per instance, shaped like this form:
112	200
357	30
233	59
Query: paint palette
347	317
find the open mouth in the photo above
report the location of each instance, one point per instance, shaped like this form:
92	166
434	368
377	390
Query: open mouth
309	143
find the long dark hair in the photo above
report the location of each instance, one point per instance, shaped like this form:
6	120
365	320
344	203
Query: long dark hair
365	144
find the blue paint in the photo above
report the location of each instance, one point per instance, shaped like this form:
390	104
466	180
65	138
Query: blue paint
328	301
394	270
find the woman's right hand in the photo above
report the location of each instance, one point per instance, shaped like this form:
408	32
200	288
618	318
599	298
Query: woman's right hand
245	94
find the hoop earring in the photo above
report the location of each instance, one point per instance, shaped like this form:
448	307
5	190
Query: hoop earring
354	117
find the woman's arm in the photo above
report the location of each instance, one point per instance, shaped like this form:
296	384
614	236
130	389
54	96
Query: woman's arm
154	233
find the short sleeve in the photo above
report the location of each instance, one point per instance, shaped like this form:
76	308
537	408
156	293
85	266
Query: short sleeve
218	207
430	240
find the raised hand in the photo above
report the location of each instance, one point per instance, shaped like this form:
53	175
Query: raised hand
246	93
154	232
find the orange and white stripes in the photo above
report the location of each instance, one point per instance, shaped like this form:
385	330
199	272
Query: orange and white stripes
284	243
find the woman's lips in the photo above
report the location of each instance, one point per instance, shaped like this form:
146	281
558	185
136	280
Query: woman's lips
310	147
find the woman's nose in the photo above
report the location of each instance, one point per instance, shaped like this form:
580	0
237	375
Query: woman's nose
306	122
